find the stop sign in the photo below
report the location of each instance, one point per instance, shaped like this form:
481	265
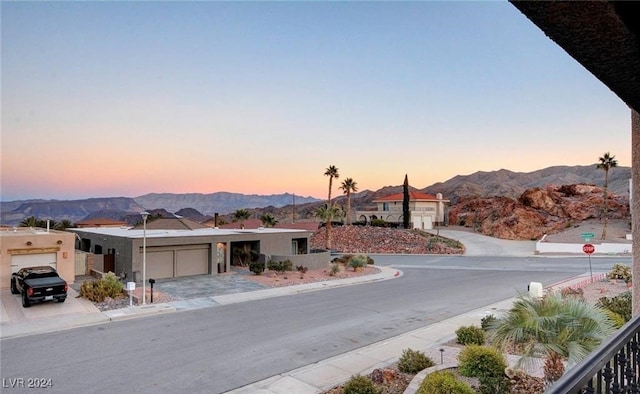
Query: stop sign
588	248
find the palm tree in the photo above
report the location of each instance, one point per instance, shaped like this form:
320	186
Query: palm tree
331	172
240	215
31	221
64	224
328	213
553	328
348	186
268	220
607	162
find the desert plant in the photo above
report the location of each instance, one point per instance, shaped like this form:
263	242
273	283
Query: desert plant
495	385
546	329
257	267
97	290
280	266
486	321
620	304
302	269
358	261
413	361
617	320
443	382
370	261
481	361
359	385
335	268
620	271
470	335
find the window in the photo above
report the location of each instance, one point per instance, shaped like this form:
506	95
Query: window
385	206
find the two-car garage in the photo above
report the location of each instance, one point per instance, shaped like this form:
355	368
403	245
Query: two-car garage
169	262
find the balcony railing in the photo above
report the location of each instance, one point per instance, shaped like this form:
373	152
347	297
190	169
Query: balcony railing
612	368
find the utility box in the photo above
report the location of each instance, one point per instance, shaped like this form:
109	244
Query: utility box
535	289
131	286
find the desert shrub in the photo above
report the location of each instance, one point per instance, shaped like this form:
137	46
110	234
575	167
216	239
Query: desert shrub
487	321
358	261
620	304
344	259
571	292
616	319
370	260
335	268
494	385
257	267
443	382
470	335
359	385
481	361
280	266
620	271
413	361
97	290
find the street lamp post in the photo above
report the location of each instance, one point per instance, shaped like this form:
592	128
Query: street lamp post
144	214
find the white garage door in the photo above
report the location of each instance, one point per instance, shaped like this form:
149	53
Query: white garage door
32	260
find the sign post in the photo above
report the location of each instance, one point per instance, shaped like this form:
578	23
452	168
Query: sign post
588	249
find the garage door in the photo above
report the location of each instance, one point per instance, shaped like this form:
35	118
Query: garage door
192	262
160	264
32	260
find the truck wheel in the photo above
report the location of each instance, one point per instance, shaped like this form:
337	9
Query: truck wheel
14	289
25	300
61	300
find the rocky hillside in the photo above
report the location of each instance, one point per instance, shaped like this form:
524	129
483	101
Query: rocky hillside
537	211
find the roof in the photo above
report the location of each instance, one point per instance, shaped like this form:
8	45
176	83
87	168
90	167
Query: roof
171	223
167	233
97	222
601	35
413	196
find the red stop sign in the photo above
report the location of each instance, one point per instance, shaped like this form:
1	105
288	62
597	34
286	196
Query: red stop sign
588	248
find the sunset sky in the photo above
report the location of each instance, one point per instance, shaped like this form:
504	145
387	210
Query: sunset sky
106	99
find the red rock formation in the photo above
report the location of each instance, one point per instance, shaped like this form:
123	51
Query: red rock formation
537	212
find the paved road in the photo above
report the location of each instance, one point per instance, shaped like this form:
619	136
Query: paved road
220	348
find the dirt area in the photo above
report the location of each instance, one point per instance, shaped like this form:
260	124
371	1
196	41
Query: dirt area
292	278
617	230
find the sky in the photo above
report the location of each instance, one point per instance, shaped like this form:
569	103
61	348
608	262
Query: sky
109	99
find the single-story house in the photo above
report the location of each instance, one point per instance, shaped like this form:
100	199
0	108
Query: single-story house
425	209
30	246
174	252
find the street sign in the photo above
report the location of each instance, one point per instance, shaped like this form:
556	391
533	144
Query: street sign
587	236
588	248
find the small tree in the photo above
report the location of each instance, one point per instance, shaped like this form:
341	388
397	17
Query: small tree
240	215
406	215
328	213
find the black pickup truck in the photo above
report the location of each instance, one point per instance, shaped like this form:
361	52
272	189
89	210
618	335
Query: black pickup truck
38	284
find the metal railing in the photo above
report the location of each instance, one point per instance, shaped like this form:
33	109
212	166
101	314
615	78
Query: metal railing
613	368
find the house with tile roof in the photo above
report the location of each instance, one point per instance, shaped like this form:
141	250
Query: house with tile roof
426	210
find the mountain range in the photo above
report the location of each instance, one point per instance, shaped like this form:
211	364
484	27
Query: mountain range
285	206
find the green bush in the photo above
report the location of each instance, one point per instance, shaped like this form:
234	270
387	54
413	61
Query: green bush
481	361
280	266
620	304
370	260
494	385
413	361
443	382
359	385
470	335
620	271
616	319
257	267
97	290
358	261
487	321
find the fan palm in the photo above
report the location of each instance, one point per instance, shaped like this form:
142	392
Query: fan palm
331	172
268	220
607	162
240	215
328	213
553	328
348	186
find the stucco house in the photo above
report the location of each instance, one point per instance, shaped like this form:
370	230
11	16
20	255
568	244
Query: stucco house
173	250
426	210
31	246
